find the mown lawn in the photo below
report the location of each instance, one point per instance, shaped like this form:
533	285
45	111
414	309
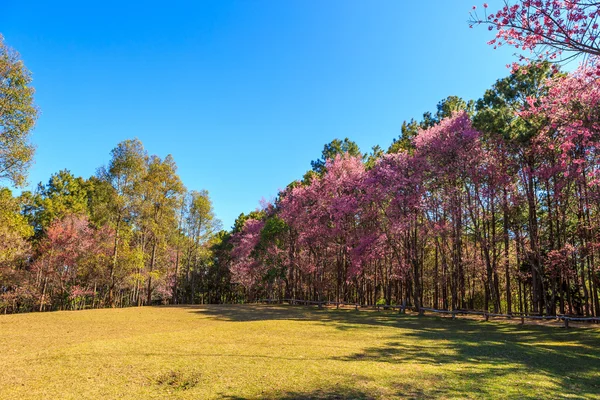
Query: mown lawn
249	352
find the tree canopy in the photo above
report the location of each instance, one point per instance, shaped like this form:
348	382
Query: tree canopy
17	116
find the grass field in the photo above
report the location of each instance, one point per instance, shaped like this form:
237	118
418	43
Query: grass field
248	352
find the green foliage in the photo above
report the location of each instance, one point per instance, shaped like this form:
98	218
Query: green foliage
453	104
162	190
375	154
242	218
201	220
124	173
273	233
330	150
17	116
101	196
307	178
220	241
497	112
64	194
14	230
404	143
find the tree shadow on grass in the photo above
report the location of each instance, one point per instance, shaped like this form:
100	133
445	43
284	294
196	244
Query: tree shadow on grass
344	393
484	363
337	393
568	358
319	394
251	312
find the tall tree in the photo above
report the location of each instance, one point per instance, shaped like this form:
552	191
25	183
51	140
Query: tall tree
17	116
124	174
200	225
162	191
15	249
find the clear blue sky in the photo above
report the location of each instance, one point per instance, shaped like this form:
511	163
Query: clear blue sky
243	94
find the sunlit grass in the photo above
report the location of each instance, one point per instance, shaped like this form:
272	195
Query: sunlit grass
247	352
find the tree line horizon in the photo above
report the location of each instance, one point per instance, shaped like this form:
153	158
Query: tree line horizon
490	204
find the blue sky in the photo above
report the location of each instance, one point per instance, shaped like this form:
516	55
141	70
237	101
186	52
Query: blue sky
243	94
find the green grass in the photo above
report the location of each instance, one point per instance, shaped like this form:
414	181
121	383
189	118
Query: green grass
249	352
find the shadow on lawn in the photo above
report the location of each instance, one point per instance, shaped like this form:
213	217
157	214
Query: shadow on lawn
336	393
319	394
569	358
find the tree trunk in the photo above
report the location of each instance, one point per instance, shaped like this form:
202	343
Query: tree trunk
152	261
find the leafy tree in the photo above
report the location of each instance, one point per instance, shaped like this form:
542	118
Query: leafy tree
13	228
500	116
452	105
199	226
68	261
17	116
242	218
218	277
121	195
371	158
497	112
330	150
63	194
14	250
162	192
405	142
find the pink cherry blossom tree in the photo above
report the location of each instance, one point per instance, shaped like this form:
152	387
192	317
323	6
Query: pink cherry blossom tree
64	254
548	28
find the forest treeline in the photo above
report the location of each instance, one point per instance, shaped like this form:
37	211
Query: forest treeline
491	204
132	234
129	235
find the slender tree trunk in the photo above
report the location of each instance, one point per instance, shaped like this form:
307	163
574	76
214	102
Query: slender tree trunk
176	275
113	266
152	261
43	298
506	252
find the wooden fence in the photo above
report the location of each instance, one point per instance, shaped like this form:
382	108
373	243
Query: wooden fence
565	318
402	308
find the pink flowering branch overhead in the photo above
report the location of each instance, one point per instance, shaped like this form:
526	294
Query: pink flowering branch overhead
547	28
